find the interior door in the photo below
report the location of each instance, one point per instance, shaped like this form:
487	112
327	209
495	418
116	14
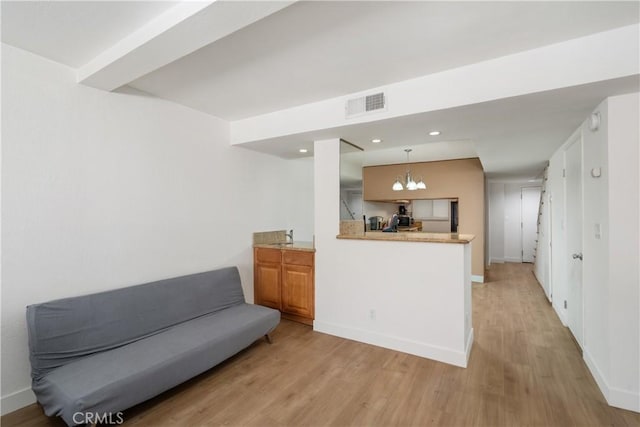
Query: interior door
530	203
573	191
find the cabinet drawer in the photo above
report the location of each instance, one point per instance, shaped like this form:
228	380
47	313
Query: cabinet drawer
297	258
268	255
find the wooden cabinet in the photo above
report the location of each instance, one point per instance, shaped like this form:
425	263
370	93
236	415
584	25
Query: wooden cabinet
268	272
284	280
270	277
297	283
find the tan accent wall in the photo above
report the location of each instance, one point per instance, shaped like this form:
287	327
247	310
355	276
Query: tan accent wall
450	179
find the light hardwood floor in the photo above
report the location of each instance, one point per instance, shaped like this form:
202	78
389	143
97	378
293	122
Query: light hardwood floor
524	370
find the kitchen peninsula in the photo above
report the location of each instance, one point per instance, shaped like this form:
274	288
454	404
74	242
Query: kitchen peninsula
461	181
409	291
411	236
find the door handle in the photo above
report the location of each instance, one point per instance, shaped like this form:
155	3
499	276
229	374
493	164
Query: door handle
577	256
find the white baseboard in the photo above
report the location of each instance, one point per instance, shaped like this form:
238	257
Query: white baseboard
560	314
477	279
16	400
614	396
541	285
596	373
496	261
441	354
535	273
624	399
513	259
469	345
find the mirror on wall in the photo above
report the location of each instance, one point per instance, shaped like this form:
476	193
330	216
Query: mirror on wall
351	159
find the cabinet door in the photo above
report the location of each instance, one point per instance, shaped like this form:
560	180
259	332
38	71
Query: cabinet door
267	284
441	209
298	290
422	208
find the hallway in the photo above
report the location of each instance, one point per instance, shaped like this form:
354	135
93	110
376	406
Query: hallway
525	356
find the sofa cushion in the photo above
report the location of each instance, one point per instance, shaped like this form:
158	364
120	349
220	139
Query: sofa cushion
125	376
66	330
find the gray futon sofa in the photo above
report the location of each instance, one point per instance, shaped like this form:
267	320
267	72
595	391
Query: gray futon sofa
103	353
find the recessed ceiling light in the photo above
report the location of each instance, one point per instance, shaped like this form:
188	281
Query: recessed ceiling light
434	133
376	141
303	150
532	180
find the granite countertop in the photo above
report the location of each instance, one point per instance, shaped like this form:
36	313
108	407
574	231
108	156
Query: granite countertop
295	246
412	236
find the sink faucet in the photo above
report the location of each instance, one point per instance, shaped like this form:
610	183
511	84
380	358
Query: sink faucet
290	235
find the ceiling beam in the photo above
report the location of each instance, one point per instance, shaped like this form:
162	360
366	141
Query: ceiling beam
177	32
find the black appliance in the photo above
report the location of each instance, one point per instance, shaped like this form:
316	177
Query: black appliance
402	210
404	221
454	216
375	223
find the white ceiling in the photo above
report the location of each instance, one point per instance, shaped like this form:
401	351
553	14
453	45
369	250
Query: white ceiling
315	50
312	51
74	32
514	137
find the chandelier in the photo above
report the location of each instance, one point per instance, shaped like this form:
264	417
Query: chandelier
409	183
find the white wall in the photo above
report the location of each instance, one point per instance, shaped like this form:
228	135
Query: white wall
595	251
103	190
624	277
543	253
611	281
505	214
495	209
298	193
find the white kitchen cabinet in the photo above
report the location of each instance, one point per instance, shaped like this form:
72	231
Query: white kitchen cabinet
431	209
441	209
422	209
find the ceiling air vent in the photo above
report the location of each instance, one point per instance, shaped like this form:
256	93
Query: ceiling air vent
366	104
